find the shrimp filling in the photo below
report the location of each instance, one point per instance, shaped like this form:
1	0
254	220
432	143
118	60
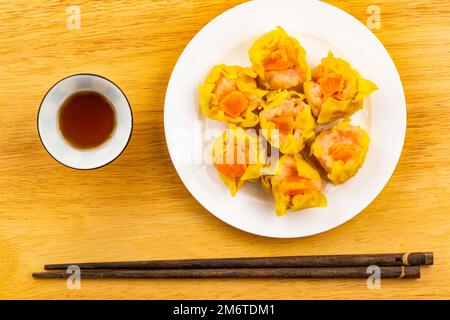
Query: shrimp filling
332	84
238	164
292	183
339	145
281	71
326	85
284	116
232	101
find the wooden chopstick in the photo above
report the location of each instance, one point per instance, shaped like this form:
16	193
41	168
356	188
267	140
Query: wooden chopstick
353	260
319	272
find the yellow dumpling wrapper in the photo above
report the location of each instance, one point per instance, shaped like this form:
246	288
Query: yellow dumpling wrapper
236	85
295	185
341	151
303	122
348	90
238	158
277	51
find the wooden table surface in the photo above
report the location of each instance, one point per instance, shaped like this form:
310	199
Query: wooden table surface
137	207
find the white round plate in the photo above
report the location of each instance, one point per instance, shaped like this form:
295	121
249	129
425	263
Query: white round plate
319	27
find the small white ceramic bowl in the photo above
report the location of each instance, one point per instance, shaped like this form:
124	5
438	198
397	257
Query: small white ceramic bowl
58	147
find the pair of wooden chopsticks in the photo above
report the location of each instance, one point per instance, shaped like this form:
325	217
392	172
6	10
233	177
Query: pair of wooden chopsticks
391	265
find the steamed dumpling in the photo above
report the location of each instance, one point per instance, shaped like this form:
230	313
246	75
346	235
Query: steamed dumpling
230	95
279	60
341	151
294	124
238	158
336	90
295	185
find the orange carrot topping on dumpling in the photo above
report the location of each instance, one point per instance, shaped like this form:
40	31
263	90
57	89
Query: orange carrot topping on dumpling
284	123
279	58
234	104
295	185
331	85
234	169
342	152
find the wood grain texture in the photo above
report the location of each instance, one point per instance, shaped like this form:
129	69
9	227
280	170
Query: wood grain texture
137	208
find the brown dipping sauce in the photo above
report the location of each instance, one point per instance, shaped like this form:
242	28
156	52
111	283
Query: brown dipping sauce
86	119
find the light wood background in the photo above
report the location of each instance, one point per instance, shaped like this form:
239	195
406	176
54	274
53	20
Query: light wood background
137	207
